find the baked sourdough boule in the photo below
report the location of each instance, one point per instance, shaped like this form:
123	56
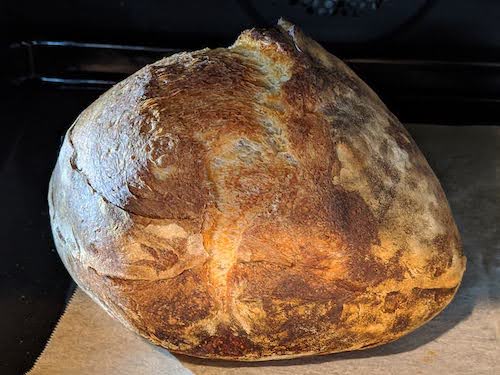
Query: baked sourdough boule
253	202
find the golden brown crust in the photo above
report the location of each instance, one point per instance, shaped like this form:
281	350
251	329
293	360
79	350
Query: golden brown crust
256	202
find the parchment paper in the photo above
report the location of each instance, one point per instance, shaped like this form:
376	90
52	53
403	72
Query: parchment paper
464	339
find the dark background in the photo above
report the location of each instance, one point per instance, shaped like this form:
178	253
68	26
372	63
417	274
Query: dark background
424	29
432	61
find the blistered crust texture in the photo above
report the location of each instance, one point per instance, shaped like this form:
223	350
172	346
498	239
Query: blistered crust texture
254	202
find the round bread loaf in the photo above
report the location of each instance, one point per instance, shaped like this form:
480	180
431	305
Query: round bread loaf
253	202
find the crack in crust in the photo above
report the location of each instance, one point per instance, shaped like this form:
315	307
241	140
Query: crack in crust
222	236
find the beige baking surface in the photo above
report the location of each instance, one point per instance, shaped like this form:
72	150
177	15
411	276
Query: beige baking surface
464	339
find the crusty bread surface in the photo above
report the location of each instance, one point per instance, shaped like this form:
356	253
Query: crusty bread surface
253	202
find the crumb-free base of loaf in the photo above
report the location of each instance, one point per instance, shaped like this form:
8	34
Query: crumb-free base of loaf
252	203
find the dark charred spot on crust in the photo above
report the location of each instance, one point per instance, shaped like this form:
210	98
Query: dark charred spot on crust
164	258
226	343
435	299
437	265
393	301
395	267
151	251
401	324
352	219
52	201
334	313
442	295
443	255
438	296
60	236
273	36
166	334
178	245
366	268
412	183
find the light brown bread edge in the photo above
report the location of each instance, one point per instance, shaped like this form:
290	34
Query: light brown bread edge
252	203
